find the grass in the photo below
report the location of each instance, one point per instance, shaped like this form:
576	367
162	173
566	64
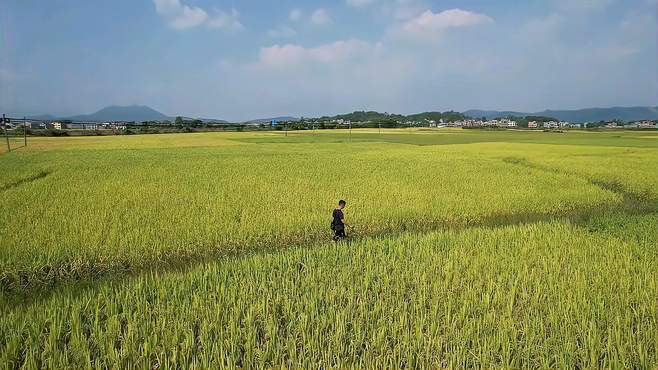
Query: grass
474	249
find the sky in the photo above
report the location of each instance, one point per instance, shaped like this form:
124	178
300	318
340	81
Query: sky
246	59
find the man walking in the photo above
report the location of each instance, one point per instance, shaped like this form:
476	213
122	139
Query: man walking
338	223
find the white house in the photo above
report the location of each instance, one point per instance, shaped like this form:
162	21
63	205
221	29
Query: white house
646	124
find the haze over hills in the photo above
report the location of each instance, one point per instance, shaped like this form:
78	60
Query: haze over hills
140	113
578	115
130	113
135	113
268	120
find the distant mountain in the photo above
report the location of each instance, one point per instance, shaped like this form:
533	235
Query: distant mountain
373	116
449	116
204	120
42	117
489	114
268	120
137	113
132	113
212	120
579	115
140	113
604	114
362	116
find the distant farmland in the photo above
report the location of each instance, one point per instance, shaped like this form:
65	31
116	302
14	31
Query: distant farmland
470	249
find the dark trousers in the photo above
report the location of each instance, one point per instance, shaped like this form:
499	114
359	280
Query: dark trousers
339	233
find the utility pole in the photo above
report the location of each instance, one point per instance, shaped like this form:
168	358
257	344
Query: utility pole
380	128
4	126
24	132
286	129
350	131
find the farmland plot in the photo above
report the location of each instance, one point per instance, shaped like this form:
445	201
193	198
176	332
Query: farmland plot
472	249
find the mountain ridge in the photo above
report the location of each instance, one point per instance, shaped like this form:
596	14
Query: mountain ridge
140	113
578	115
137	113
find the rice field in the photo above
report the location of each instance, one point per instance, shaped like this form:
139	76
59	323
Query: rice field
470	249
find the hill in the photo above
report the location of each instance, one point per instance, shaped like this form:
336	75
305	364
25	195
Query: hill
137	113
204	120
604	114
489	114
449	116
578	115
363	116
268	120
43	117
372	116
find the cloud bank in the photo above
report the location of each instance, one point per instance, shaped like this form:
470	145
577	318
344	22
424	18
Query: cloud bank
180	16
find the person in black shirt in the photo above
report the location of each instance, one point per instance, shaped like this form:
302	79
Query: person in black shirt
338	223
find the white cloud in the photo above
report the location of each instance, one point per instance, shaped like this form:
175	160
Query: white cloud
631	37
295	15
292	55
403	9
582	5
281	32
559	60
359	3
429	26
320	17
7	75
180	16
167	7
189	17
225	20
327	78
542	29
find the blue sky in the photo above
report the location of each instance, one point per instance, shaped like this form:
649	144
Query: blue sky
246	59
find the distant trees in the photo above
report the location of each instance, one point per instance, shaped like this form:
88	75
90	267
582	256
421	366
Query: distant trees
182	122
541	119
363	116
387	119
386	123
452	116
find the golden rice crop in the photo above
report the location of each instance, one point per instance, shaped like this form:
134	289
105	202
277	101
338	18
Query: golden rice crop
78	208
544	295
473	249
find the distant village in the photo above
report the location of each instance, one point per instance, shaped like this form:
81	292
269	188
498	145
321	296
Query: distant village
497	123
510	123
65	125
327	123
